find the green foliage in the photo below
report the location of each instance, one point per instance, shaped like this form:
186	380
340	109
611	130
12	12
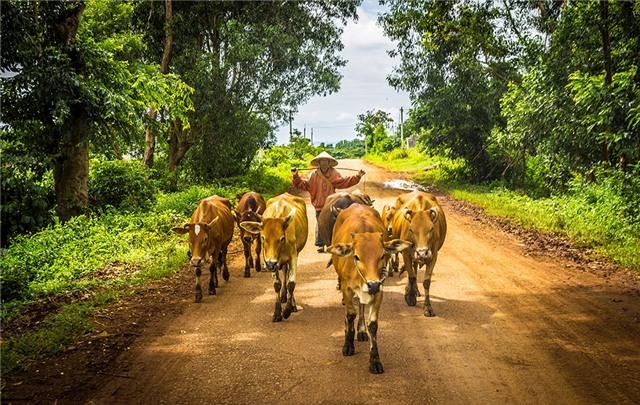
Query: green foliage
348	149
27	193
62	258
121	184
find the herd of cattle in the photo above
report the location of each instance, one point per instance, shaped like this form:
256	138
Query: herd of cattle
364	245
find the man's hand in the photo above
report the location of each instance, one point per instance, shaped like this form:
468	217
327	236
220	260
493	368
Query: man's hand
294	170
361	173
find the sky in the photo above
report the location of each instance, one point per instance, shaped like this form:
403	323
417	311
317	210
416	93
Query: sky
363	86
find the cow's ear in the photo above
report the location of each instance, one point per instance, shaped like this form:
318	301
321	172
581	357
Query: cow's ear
396	246
251	227
236	216
181	231
213	222
340	249
407	214
433	213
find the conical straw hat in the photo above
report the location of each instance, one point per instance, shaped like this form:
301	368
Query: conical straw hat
324	155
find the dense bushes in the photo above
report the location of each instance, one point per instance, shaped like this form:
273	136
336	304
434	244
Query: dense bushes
121	184
27	192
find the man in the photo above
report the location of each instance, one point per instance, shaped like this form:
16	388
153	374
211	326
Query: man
322	182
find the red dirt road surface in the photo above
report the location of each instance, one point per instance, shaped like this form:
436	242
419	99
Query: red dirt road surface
511	327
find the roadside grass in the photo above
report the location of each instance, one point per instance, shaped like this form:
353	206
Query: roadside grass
91	262
593	215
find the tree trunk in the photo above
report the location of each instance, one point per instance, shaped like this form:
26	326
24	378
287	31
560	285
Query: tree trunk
71	160
71	172
150	136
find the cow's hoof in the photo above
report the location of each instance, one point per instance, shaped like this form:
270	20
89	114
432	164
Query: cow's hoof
410	299
429	312
198	297
225	275
376	367
247	274
277	318
212	292
286	313
283	299
348	350
258	269
363	337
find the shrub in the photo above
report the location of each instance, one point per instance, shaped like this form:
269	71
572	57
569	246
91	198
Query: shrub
121	184
27	195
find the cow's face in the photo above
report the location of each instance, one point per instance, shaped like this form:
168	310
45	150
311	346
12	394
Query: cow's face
388	211
274	240
199	239
421	225
273	234
369	251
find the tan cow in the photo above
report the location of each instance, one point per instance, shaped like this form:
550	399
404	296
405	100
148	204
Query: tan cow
360	250
210	231
420	219
283	231
388	211
250	206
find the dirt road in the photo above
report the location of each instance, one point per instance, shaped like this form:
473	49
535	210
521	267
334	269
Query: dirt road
509	329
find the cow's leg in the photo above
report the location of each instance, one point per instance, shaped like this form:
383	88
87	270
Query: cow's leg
285	277
411	291
198	287
223	259
277	286
362	329
213	279
291	286
349	348
428	272
258	252
375	366
247	257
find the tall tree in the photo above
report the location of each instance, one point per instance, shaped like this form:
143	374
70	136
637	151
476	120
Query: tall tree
251	63
78	84
150	136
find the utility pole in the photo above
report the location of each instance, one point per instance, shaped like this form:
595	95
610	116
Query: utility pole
311	136
304	135
290	127
401	129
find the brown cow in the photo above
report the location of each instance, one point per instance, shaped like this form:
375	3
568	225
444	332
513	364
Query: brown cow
250	206
210	231
283	230
421	220
334	203
360	249
388	211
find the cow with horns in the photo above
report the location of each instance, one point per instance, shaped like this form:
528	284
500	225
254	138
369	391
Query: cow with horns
210	231
283	230
420	219
360	249
249	208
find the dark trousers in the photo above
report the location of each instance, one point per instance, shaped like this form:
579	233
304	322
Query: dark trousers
319	242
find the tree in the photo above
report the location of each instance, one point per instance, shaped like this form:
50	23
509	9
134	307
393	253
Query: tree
251	63
372	127
79	87
456	61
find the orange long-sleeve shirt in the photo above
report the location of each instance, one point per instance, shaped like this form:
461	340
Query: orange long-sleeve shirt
320	189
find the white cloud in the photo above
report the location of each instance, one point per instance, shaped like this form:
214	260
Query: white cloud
363	87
